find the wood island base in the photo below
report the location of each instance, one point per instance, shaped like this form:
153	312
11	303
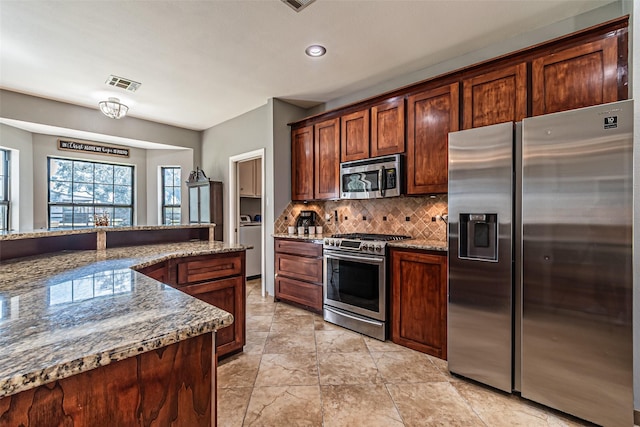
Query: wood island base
173	385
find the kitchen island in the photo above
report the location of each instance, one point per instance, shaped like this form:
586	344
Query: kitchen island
87	340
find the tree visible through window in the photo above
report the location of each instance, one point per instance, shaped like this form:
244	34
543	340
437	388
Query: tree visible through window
4	190
171	195
81	190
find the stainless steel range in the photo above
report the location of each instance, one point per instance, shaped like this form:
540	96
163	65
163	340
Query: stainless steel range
355	282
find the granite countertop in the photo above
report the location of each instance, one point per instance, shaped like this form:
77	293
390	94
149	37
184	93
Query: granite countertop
315	238
30	234
422	244
68	312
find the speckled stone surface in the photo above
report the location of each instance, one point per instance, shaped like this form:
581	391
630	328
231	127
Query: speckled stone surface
422	244
31	234
315	238
68	312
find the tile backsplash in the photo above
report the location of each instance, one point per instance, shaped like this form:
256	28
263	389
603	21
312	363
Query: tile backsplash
396	215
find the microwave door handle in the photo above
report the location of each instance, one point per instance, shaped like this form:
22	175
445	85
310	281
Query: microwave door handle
383	181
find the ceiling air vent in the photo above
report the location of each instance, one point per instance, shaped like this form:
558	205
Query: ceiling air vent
298	5
122	83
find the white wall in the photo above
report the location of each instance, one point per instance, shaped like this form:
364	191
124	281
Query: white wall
31	109
21	145
163	158
265	127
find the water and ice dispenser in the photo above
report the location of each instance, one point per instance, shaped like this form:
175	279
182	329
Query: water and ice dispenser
479	236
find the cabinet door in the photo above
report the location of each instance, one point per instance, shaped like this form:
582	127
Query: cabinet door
387	128
431	116
354	136
227	294
194	205
419	301
327	159
495	97
302	164
246	178
576	77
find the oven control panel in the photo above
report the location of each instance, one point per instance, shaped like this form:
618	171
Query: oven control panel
373	247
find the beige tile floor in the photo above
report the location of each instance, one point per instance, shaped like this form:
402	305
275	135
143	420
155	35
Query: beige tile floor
298	370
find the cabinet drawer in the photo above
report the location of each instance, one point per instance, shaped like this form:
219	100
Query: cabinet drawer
299	248
309	269
308	294
199	269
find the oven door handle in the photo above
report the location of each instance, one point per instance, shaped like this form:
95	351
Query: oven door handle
354	258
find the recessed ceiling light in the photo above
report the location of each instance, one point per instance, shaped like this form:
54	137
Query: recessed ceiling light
315	50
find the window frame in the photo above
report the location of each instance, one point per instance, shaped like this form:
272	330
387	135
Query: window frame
164	187
96	206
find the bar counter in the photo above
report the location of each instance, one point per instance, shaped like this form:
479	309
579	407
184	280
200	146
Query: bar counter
68	312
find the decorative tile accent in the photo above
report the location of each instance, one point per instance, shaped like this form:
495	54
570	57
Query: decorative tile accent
352	214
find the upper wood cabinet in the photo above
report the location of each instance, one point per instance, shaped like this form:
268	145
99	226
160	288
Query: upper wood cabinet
497	96
576	77
250	178
432	114
354	136
327	159
302	163
387	127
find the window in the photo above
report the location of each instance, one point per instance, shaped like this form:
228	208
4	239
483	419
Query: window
81	190
171	196
4	190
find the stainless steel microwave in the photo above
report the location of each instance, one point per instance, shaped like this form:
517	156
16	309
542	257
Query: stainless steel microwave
371	178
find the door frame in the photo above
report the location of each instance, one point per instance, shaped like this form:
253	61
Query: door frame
233	201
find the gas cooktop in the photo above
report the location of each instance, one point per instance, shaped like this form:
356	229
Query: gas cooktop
361	242
370	236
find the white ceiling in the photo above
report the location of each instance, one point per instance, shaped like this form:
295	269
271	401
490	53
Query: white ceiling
204	62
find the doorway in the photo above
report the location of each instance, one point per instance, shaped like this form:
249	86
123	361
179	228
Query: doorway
246	203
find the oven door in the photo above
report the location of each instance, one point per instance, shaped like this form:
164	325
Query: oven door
355	283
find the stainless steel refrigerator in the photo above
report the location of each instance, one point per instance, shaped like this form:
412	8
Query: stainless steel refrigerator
540	260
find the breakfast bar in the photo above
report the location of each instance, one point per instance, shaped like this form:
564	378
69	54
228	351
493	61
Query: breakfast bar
88	339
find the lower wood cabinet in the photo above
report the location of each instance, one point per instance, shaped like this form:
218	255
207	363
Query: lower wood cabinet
299	273
419	301
217	279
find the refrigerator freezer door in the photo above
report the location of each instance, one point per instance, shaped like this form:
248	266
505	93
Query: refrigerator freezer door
577	262
480	254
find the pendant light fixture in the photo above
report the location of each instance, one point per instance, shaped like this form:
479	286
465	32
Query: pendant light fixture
113	108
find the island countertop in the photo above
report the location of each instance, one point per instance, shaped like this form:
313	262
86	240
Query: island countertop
67	312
